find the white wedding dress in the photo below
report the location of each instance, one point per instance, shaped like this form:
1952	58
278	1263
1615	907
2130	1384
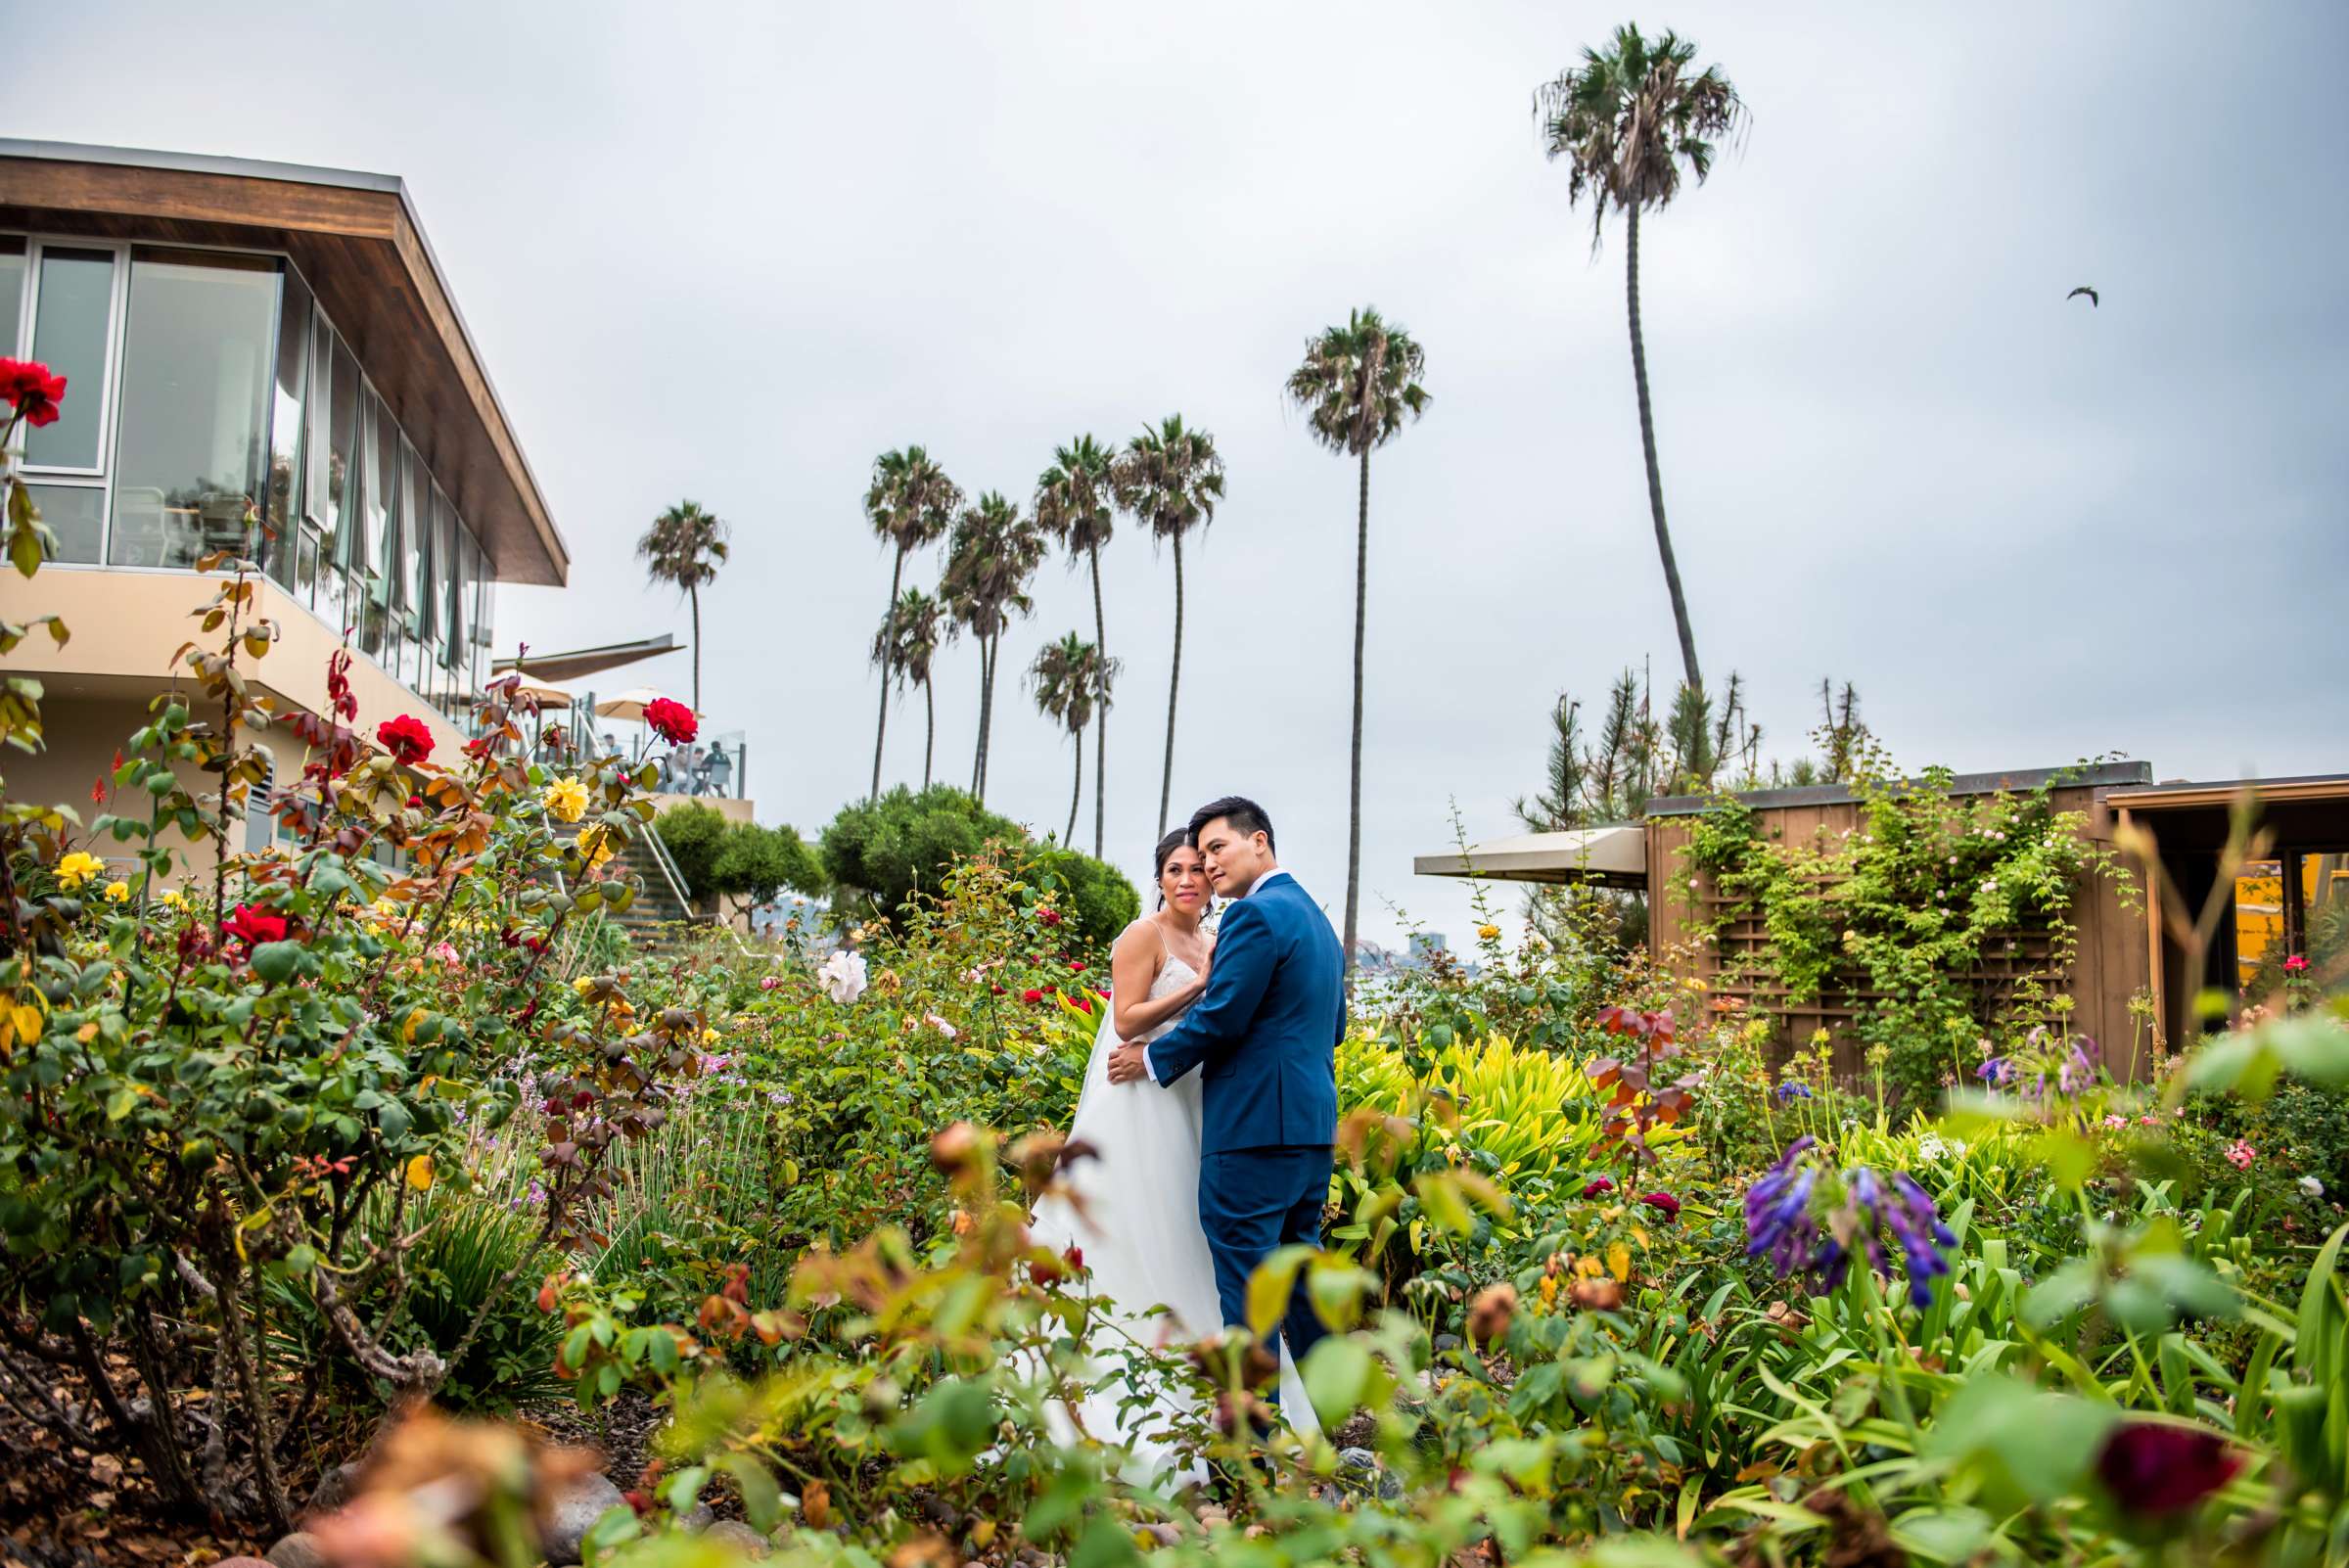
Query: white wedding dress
1139	1234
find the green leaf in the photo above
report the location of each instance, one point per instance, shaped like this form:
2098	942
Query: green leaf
276	961
761	1498
1337	1378
1271	1285
1104	1545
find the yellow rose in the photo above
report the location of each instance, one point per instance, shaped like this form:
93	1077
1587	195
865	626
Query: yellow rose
79	867
117	891
1488	933
566	799
598	845
583	984
709	1036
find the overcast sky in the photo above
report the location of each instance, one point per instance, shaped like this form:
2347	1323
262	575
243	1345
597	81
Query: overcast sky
733	253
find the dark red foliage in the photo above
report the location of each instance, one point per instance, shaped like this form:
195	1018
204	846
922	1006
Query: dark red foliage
2153	1469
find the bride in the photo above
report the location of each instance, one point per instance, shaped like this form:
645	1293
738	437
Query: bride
1135	1214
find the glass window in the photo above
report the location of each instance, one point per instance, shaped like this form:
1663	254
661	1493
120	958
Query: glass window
12	290
448	582
74	303
195	379
315	444
285	420
428	566
77	514
341	457
2322	882
455	652
373	579
415	505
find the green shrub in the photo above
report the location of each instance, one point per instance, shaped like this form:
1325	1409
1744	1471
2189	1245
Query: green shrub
758	862
692	834
1101	902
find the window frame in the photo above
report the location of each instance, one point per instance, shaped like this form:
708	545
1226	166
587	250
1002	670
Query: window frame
298	530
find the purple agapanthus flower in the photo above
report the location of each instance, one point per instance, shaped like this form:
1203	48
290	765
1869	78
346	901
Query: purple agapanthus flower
1781	1224
1791	1090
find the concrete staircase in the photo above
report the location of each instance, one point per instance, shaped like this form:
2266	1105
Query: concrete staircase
654	921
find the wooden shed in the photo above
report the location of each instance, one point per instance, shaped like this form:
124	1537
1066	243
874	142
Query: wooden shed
2127	975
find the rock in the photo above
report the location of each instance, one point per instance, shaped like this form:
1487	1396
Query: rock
1448	1342
572	1513
697	1518
297	1550
241	1562
1363	1461
740	1537
334	1488
1166	1534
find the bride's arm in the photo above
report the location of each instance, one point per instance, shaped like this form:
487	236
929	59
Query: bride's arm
1133	964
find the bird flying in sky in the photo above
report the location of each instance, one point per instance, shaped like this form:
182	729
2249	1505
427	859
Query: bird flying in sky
2083	289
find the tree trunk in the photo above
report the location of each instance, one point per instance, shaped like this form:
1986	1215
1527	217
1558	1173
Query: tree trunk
1166	780
1100	712
1648	445
1354	803
929	726
979	749
693	597
988	655
1076	745
888	648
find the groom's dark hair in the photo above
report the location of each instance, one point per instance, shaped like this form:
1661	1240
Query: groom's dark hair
1241	812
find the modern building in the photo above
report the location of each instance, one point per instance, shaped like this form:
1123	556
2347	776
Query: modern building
2131	977
234	334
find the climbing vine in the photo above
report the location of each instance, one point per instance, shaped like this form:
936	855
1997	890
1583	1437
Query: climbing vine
1940	919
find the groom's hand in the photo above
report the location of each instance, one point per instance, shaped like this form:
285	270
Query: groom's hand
1129	1063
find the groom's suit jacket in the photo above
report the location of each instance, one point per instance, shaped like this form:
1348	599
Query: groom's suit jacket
1265	1035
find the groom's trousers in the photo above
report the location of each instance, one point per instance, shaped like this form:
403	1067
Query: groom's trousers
1253	1202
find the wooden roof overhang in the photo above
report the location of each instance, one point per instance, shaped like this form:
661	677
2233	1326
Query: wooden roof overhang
357	241
2308	810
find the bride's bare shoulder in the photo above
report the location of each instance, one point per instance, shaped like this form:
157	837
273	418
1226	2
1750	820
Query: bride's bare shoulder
1140	938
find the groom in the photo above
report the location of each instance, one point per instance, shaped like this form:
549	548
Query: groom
1264	1038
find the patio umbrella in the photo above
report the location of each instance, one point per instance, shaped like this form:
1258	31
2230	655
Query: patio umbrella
551	699
628	706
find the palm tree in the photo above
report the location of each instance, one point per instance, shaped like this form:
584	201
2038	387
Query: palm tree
910	503
993	555
1070	681
1626	121
684	548
1170	479
1356	385
908	642
1074	504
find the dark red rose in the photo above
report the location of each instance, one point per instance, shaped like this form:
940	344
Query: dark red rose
671	721
1075	1256
1598	1185
253	926
1075	969
407	738
1664	1203
1032	996
1083	1005
2153	1469
1050	917
28	386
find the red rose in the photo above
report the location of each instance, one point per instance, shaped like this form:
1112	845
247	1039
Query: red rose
1050	917
407	738
1032	996
31	390
1664	1203
2153	1470
671	721
1597	1186
1075	969
1075	1257
253	926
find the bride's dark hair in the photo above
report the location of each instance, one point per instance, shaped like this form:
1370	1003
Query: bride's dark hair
1179	839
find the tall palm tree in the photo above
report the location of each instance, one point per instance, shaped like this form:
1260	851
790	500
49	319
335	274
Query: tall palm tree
1070	681
908	642
1075	505
684	548
993	554
1625	122
910	503
1171	480
1356	385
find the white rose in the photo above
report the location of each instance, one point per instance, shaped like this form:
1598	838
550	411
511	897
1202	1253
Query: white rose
842	976
2311	1186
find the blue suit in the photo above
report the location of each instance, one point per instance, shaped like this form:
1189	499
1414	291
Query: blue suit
1265	1040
